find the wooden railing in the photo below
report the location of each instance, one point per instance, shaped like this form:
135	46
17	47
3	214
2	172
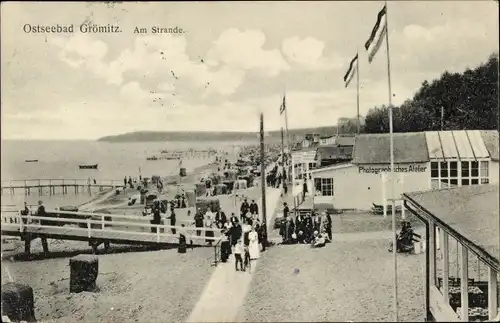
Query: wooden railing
100	225
19	183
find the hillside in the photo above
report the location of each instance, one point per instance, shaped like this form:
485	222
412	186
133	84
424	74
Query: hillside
150	136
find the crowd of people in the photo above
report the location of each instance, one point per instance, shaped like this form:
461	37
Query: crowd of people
312	228
241	236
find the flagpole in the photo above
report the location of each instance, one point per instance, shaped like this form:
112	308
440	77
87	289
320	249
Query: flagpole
393	204
357	91
286	122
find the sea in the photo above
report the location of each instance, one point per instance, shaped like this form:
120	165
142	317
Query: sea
61	160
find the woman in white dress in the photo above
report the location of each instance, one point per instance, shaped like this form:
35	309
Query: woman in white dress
254	244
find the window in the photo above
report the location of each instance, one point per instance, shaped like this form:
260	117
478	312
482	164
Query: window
324	186
465	169
474	169
484	172
434	170
446	174
444	169
453	169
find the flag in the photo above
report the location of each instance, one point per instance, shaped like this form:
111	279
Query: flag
373	43
283	106
351	71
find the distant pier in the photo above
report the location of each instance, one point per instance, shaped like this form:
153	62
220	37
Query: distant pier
56	186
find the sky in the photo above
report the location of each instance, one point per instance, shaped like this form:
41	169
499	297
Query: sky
231	62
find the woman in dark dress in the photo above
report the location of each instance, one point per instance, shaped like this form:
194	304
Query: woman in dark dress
156	216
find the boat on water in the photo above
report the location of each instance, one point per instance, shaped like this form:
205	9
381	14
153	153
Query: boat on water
31	161
152	158
88	166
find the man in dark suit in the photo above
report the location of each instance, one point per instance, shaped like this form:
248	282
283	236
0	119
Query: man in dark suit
220	219
244	208
233	219
286	210
235	232
254	208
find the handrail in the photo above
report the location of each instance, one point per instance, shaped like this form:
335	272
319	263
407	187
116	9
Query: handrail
107	223
106	226
103	217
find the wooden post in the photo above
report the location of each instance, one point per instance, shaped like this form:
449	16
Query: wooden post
464	284
446	265
492	293
84	272
432	253
18	302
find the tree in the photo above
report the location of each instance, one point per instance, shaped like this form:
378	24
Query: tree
469	101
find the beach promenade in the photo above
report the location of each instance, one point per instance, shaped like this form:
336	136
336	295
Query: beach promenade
226	290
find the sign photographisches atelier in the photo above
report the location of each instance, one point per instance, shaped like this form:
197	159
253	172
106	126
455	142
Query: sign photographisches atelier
397	168
198	161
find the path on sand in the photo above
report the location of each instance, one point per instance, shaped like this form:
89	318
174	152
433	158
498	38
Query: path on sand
226	290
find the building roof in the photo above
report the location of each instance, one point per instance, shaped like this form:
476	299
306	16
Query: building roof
415	147
471	212
490	138
304	156
456	145
345	140
334	152
409	147
331	167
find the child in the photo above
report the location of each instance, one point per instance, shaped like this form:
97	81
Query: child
239	249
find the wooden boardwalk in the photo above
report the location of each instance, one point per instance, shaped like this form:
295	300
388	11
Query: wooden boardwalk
226	290
40	186
99	228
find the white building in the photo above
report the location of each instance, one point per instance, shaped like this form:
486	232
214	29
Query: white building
326	141
423	161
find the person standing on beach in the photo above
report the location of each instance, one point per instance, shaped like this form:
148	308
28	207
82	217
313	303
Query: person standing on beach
24	213
245	207
239	250
172	218
41	212
254	208
286	210
156	215
209	233
233	219
328	225
236	232
198	222
220	219
125	181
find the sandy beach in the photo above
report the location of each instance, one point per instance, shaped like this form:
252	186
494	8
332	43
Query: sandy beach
349	279
154	286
